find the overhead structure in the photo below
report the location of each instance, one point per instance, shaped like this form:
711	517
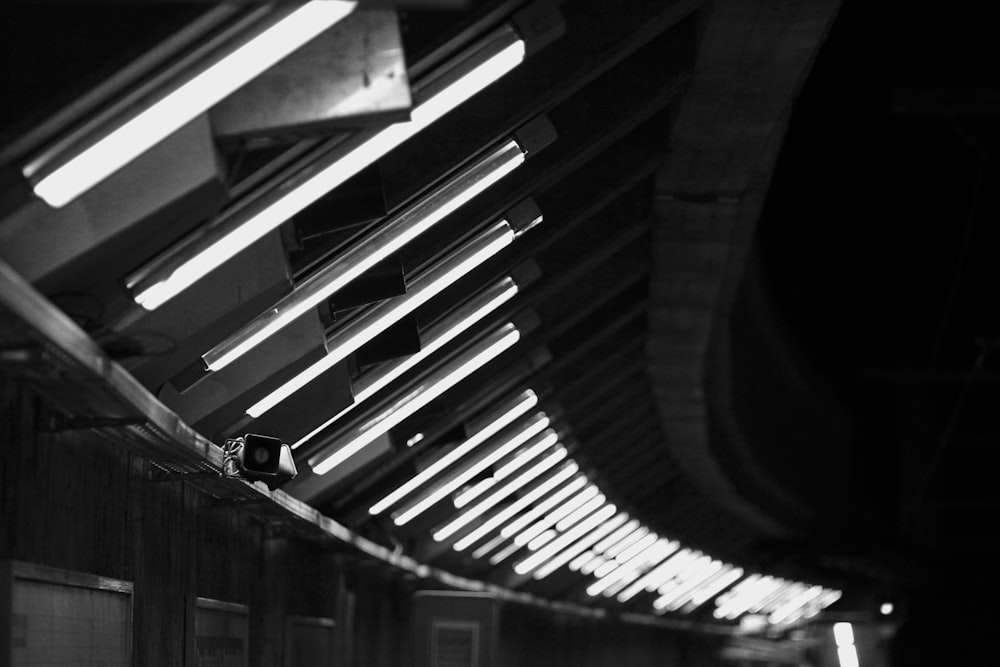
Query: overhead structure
465	319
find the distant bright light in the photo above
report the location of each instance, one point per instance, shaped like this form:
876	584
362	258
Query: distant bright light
886	608
843	634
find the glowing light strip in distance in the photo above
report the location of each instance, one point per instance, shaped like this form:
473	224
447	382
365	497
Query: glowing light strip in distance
199	254
145	128
484	352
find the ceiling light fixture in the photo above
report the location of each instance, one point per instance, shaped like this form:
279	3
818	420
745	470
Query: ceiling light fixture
204	250
433	339
491	524
417	507
504	415
348	265
578	539
571	487
581	504
619	569
616	536
453	372
710	589
658	575
373	321
77	163
492	499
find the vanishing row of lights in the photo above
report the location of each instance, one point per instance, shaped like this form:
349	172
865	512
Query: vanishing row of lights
538	508
782	601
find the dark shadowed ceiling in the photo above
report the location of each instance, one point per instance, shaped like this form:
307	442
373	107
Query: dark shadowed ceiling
759	310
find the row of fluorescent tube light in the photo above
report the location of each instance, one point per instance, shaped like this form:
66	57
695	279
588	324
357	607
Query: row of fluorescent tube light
539	504
244	223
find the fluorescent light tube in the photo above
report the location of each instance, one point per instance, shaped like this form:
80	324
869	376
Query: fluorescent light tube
580	540
524	402
579	513
591	565
633	537
708	591
150	123
579	500
787	612
200	253
390	237
782	591
843	634
417	507
489	546
695	587
376	319
616	536
431	340
601	518
623	568
673	598
504	554
465	496
542	539
657	573
582	559
639	546
492	499
491	524
847	656
516	525
693	567
441	381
